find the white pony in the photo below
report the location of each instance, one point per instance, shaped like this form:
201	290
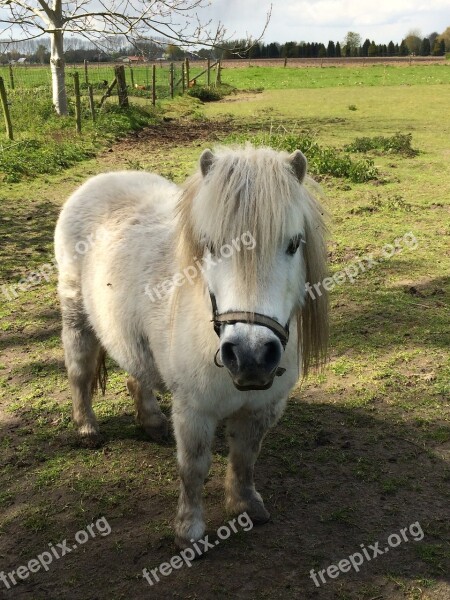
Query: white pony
174	283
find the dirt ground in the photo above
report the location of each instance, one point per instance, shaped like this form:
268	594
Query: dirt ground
335	477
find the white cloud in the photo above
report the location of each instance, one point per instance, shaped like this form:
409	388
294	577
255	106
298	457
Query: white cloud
321	20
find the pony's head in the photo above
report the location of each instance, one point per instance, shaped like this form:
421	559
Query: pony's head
260	235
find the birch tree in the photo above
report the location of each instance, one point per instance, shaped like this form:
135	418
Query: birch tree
176	21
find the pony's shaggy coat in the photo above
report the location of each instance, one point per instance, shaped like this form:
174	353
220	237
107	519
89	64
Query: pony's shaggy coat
137	230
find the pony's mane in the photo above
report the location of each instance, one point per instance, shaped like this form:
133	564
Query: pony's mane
254	190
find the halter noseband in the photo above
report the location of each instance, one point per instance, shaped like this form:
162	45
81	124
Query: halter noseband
233	317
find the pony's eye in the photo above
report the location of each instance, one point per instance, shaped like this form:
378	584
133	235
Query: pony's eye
294	245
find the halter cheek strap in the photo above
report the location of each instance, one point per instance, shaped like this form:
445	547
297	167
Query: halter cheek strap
233	317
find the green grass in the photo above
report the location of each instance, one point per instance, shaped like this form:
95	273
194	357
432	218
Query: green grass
45	143
276	78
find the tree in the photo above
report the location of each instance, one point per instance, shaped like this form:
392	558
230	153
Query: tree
365	48
42	54
439	47
403	50
255	51
445	37
353	42
338	50
273	50
432	37
425	48
290	50
174	21
413	41
373	49
174	52
331	49
391	49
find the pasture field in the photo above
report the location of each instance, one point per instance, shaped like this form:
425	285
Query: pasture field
270	77
363	449
336	76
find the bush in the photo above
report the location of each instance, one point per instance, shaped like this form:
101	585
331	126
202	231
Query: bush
399	143
321	160
210	94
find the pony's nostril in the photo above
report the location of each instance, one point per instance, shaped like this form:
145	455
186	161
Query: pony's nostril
272	355
229	356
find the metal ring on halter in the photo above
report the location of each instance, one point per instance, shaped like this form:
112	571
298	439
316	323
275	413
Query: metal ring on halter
216	362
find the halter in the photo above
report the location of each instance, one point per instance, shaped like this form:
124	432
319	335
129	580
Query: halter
233	317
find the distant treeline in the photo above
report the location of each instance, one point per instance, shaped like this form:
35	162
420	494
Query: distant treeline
117	48
335	49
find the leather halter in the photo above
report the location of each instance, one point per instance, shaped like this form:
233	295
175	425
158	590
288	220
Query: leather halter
233	317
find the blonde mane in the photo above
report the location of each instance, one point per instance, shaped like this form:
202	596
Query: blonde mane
254	190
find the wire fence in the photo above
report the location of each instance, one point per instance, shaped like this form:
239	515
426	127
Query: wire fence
139	77
89	85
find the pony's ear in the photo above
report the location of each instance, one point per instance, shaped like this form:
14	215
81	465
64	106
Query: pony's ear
206	161
299	164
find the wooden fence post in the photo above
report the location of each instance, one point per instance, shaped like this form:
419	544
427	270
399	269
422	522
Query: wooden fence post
208	76
183	82
86	74
121	86
4	102
132	78
154	85
187	73
76	83
218	75
108	91
91	102
171	80
11	77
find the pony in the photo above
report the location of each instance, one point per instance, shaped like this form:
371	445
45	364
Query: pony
200	290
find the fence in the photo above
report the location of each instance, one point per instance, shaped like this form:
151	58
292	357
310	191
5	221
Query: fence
91	84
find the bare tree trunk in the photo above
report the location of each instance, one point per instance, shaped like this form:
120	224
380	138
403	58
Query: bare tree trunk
57	65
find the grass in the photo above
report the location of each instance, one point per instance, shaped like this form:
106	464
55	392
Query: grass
291	78
362	450
45	143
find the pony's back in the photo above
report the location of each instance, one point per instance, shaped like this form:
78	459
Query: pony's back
104	202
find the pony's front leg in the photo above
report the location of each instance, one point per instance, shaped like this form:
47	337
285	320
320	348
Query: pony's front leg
194	432
245	431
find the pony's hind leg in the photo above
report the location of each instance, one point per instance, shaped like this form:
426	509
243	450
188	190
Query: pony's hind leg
148	413
82	352
245	431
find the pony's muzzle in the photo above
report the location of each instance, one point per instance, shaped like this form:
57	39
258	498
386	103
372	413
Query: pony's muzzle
252	361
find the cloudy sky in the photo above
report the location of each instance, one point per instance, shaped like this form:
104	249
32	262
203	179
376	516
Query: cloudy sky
323	20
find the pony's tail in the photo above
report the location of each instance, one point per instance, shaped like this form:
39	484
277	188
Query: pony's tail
101	373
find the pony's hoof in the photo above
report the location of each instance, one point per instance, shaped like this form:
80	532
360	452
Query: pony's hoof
258	514
157	432
254	508
91	439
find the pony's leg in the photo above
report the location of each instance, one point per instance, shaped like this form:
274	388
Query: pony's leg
194	433
245	432
148	413
81	349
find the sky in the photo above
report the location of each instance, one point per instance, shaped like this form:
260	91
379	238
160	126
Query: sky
323	20
315	20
